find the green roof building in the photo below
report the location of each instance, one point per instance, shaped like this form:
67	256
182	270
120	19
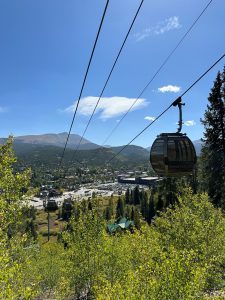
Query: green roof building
123	224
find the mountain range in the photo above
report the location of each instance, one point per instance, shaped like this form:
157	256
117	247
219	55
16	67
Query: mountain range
47	149
49	146
54	139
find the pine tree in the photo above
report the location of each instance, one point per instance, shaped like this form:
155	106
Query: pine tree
132	197
169	188
108	213
127	196
137	219
89	205
111	206
120	209
151	208
128	212
132	213
213	152
159	203
144	204
136	195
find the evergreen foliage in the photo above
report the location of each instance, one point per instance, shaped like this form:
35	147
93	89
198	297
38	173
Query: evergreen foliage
159	203
212	167
128	212
144	205
108	213
137	218
120	208
127	196
136	195
151	208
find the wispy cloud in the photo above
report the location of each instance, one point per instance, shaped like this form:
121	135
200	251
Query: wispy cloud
190	123
170	89
3	109
148	118
108	107
160	28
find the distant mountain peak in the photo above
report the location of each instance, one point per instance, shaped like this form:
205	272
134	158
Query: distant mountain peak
54	139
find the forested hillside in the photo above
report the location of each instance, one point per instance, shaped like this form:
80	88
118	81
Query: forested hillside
180	255
33	155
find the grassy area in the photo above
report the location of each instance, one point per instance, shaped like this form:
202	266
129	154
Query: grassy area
56	225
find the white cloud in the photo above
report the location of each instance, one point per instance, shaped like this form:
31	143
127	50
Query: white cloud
169	88
160	28
190	123
108	107
149	118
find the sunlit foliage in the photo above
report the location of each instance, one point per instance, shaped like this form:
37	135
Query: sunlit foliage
180	255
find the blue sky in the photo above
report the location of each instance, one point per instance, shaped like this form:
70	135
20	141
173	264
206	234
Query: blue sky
46	44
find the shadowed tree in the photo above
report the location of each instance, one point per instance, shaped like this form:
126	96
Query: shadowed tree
212	163
120	208
136	195
127	196
159	203
137	219
151	208
144	205
128	212
108	213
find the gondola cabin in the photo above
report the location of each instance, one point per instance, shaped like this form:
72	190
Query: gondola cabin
50	205
173	154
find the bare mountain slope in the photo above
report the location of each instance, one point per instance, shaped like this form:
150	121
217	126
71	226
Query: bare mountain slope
54	139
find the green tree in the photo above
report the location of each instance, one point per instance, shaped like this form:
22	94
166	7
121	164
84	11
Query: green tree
213	153
181	256
128	212
120	208
12	186
14	240
111	206
136	195
89	205
144	204
83	265
127	196
108	213
137	218
132	213
159	203
132	197
169	189
151	208
48	268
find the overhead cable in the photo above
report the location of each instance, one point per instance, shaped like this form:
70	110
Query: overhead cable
84	80
156	73
110	73
188	89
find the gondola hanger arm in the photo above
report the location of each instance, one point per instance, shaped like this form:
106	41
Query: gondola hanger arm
178	102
